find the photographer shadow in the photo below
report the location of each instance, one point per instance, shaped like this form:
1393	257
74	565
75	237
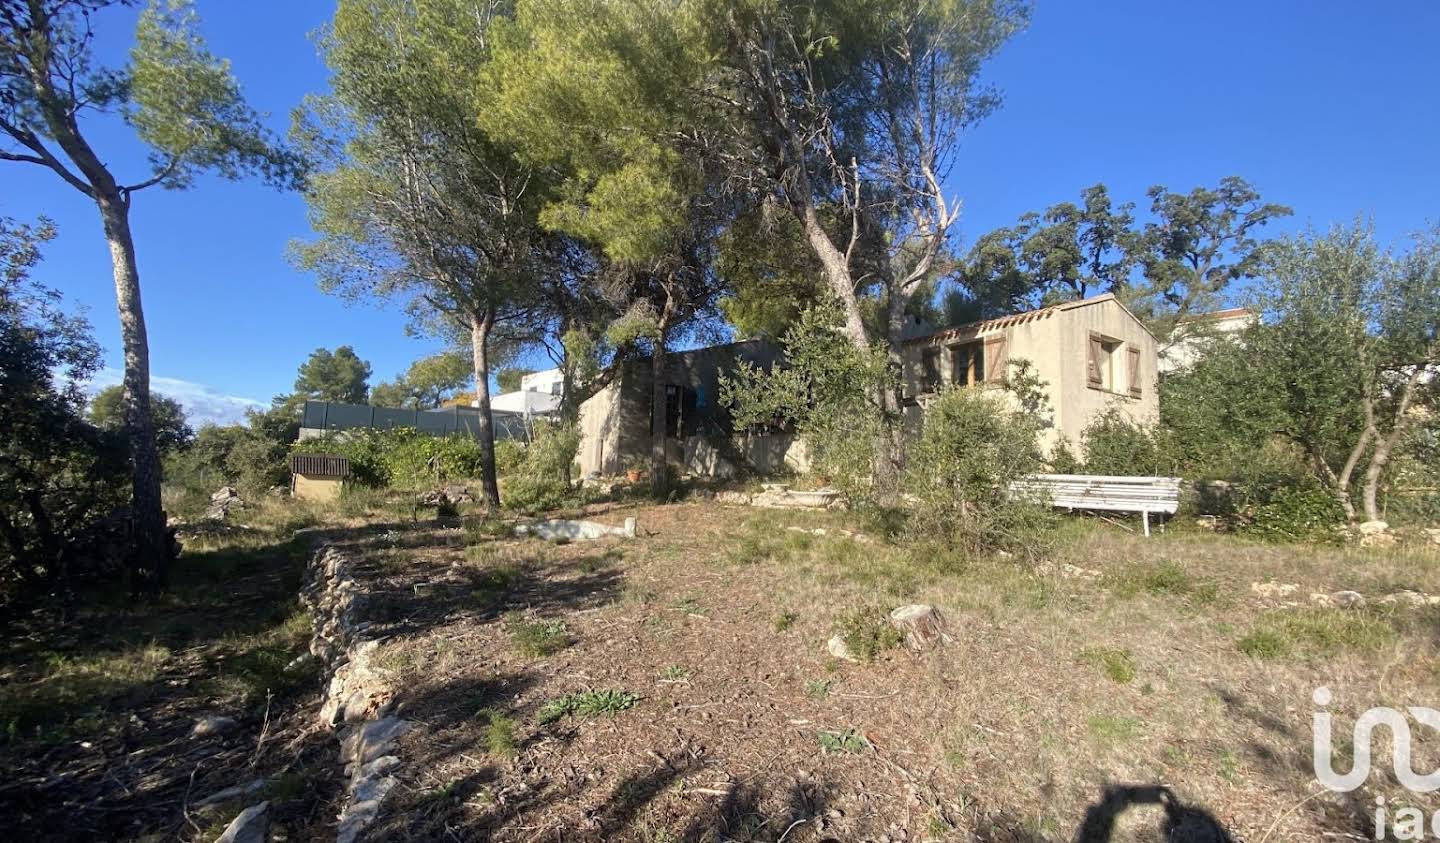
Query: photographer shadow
1181	824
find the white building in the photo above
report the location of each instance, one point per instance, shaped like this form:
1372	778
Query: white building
539	395
1194	334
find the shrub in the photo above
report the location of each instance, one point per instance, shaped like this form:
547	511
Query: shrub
973	445
509	454
826	393
867	632
402	457
542	480
1305	513
1114	444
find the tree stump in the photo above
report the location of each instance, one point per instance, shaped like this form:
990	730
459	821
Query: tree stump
924	627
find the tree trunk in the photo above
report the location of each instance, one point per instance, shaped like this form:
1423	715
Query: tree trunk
837	273
1385	444
658	420
150	546
480	349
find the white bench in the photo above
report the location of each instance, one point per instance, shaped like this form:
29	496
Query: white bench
1103	493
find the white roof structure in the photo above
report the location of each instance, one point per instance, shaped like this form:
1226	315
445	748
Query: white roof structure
526	403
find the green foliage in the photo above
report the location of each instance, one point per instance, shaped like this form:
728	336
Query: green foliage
867	632
59	475
1163	579
827	392
509	379
1115	444
1299	513
536	637
500	728
1317	632
1117	664
427	384
107	411
848	741
339	376
974	444
586	704
509	456
400	458
1179	262
542	480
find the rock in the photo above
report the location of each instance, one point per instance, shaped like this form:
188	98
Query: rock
567	530
236	792
372	740
923	625
1370	528
249	827
212	725
1377	539
1338	599
1274	590
837	647
1411	598
1433	534
223	494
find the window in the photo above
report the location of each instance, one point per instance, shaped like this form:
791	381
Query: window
967	364
682	416
929	369
1113	366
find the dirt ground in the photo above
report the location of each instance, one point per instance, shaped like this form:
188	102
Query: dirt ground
1067	696
1073	700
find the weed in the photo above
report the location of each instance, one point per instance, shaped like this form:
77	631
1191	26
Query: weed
785	620
442	793
818	689
586	704
867	632
499	735
478	529
1117	664
286	786
75	686
491	584
1321	632
675	673
691	606
1109	730
849	740
1229	765
1164	579
535	637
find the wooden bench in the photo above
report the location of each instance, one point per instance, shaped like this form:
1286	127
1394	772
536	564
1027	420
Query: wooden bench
1099	492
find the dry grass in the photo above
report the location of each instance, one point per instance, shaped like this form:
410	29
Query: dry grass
702	644
1053	688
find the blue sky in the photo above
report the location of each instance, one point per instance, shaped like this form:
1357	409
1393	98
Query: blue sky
1327	106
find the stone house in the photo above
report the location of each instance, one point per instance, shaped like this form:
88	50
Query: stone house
1092	355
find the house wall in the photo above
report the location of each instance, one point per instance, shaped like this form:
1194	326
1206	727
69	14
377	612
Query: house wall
1056	342
615	423
314	488
1077	402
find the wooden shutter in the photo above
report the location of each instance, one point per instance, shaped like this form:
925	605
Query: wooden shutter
997	359
1092	361
1134	367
